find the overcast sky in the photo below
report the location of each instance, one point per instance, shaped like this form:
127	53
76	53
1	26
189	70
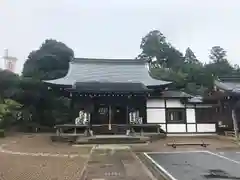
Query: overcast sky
114	28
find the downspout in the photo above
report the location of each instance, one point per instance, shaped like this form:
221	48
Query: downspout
235	125
235	122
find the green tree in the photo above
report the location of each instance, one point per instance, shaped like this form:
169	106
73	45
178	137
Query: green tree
184	71
50	61
218	54
154	45
219	65
190	57
8	83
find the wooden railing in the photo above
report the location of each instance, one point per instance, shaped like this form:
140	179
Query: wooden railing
229	133
129	129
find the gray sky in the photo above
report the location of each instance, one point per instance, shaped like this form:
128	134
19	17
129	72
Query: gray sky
114	28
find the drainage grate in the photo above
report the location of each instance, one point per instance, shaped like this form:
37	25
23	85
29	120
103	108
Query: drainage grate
112	174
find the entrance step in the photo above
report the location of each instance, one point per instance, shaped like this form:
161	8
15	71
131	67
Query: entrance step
104	129
112	139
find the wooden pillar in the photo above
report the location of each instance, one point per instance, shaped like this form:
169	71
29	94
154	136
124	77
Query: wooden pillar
127	115
93	112
71	118
144	110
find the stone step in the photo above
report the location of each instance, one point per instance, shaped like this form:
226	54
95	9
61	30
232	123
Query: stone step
112	139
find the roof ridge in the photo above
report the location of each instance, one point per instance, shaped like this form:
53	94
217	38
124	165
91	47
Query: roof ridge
107	61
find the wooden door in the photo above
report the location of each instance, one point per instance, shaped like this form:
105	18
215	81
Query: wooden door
102	112
119	115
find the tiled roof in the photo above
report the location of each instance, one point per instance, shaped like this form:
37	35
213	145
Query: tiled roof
196	99
92	87
108	70
176	94
228	84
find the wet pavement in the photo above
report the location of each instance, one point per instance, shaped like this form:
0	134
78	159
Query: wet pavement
232	155
199	165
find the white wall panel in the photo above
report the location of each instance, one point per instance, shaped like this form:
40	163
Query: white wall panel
155	103
163	127
206	127
156	116
176	128
191	128
174	103
190	113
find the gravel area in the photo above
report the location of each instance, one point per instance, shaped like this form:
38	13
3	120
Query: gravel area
14	167
32	165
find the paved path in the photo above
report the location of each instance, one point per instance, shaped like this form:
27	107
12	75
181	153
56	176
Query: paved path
114	163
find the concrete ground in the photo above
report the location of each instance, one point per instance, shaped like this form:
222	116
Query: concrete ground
197	165
35	157
219	160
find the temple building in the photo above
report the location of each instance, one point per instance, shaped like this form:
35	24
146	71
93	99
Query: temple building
227	92
115	92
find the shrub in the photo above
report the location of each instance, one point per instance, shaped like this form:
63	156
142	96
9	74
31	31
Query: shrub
2	133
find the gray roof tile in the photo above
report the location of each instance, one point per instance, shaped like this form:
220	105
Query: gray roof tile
108	70
228	85
176	94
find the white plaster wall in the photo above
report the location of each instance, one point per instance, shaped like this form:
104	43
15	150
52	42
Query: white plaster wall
163	127
206	127
156	116
174	103
191	128
176	128
191	117
155	103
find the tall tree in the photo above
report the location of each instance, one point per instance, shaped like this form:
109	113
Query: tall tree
190	57
218	54
50	61
185	71
219	65
154	45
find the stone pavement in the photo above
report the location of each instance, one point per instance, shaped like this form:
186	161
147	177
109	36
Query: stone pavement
35	157
114	163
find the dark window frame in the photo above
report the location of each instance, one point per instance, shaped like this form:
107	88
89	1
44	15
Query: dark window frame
206	115
175	115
